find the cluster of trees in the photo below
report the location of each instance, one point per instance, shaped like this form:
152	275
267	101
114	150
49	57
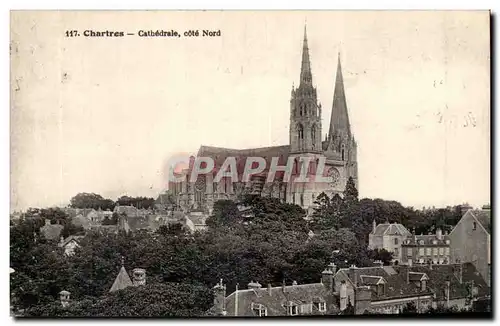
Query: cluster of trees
236	247
358	215
269	244
96	201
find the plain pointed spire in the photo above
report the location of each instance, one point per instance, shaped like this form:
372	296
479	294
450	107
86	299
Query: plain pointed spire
339	121
305	70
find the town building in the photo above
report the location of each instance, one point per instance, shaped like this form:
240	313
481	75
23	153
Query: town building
390	289
388	236
423	249
382	289
471	241
339	149
70	244
51	231
285	300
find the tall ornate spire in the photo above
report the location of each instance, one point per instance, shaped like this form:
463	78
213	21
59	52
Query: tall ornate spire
305	70
339	121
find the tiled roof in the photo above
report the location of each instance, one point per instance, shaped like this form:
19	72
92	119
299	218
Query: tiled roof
484	217
391	229
130	211
122	281
80	220
275	299
52	231
440	274
220	154
396	285
75	238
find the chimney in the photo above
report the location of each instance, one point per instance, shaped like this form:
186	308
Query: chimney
254	285
352	275
139	276
269	289
283	285
64	297
327	279
374	226
47	222
430	264
439	234
220	299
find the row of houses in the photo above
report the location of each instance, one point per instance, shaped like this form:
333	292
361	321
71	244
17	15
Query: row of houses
469	241
377	290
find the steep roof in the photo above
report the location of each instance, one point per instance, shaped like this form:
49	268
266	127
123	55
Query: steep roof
484	217
75	238
130	211
396	285
275	299
440	274
122	281
219	155
52	231
391	229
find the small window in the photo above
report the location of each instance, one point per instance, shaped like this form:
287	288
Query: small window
293	310
396	251
428	250
421	251
421	242
441	251
474	225
434	242
435	251
410	251
322	306
259	310
447	251
447	242
396	241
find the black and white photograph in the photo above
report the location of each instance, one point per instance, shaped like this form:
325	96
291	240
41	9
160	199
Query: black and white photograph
254	164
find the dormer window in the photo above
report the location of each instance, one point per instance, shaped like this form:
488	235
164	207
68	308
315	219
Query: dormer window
259	309
322	306
434	242
421	242
292	309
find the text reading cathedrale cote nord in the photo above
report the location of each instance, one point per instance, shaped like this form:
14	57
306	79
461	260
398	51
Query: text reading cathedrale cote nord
144	33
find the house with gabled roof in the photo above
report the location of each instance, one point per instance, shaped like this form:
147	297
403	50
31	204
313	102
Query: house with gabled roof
382	289
388	236
285	300
70	244
471	241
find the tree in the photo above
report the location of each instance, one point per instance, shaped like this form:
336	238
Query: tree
91	200
150	300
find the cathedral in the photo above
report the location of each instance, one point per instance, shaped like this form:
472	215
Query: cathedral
338	150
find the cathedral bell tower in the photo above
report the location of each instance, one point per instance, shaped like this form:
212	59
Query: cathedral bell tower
305	112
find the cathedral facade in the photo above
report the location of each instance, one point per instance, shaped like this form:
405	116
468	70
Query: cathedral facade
338	150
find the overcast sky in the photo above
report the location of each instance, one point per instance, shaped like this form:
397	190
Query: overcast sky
104	114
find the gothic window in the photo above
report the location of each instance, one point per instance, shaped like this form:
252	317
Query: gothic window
343	151
313	135
474	225
301	199
300	131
